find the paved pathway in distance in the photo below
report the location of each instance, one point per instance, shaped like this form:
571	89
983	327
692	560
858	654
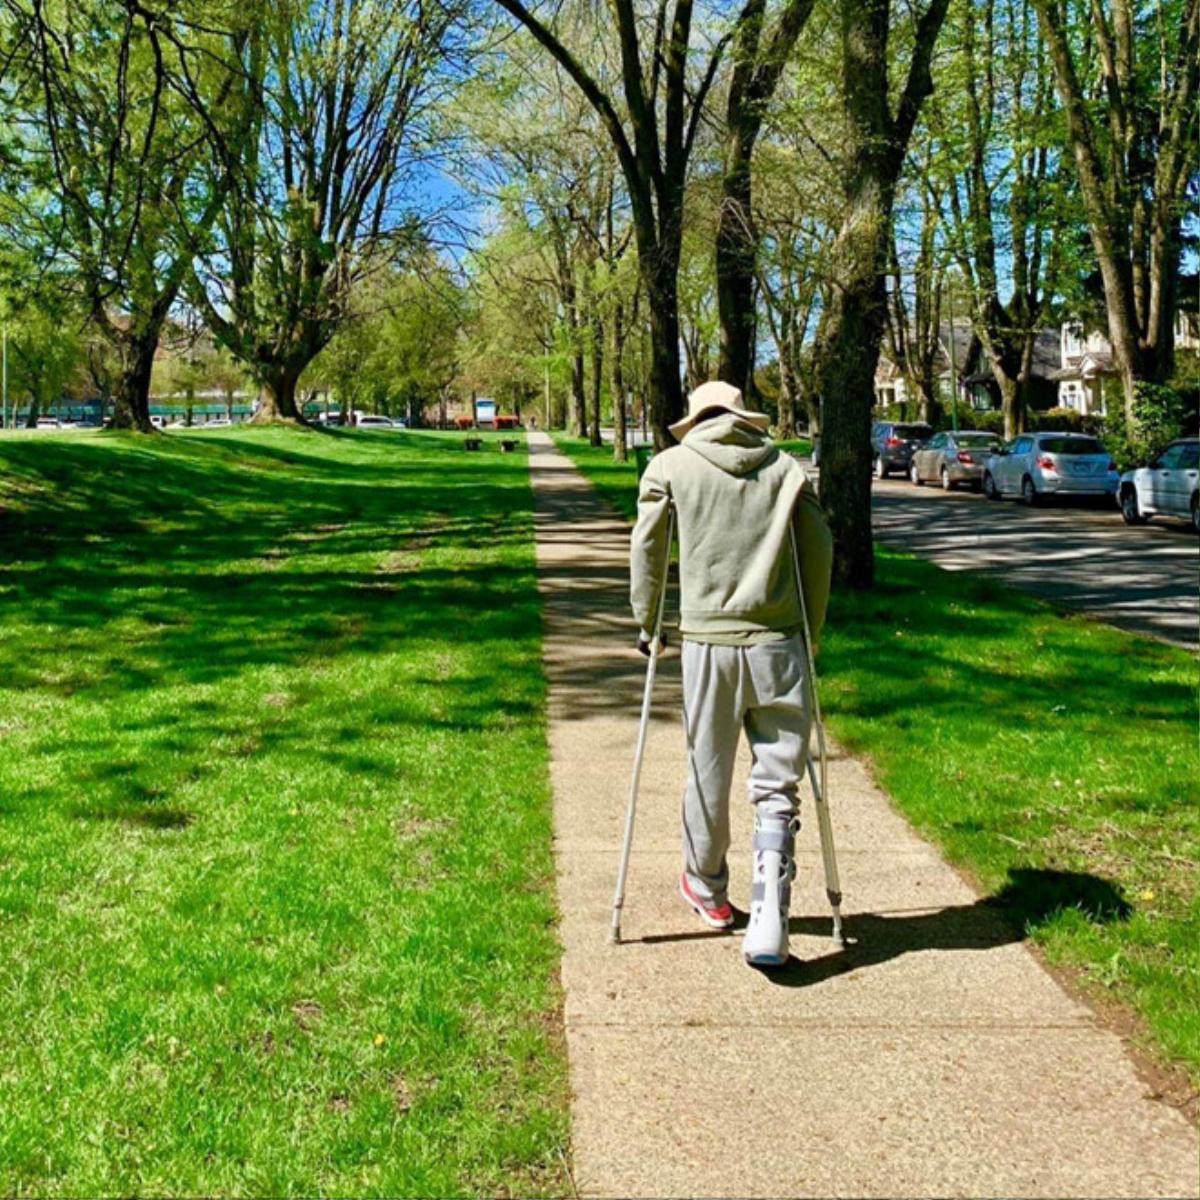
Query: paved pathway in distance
1145	578
934	1056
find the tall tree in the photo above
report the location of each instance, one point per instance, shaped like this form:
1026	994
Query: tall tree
515	339
992	165
331	96
534	150
108	156
759	58
1136	156
652	123
796	220
874	144
914	312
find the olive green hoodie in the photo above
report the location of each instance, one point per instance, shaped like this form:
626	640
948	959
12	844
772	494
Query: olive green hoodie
734	494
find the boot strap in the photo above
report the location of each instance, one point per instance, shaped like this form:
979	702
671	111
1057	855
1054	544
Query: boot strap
758	893
774	839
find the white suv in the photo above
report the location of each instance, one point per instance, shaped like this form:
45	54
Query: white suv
1169	486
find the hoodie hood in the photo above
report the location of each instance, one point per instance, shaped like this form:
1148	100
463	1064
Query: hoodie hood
731	443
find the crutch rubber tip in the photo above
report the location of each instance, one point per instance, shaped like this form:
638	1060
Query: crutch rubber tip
614	936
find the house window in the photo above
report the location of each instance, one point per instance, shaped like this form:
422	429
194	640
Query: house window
1070	395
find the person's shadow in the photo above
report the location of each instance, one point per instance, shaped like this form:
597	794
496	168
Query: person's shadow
1027	900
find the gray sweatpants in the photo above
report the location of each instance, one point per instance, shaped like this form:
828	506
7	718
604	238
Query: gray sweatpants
762	689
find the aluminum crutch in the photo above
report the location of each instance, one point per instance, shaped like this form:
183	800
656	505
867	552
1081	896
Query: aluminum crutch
833	887
614	933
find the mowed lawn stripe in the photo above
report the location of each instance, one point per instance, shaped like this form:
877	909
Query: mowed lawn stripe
276	893
1052	756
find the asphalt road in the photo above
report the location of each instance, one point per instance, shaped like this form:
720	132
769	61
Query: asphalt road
1146	579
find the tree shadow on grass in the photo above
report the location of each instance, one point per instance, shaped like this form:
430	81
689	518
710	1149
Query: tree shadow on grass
148	816
202	563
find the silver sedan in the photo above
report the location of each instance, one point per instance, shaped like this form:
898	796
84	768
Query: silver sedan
953	458
1035	465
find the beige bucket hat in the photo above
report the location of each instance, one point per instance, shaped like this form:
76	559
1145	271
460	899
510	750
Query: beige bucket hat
716	394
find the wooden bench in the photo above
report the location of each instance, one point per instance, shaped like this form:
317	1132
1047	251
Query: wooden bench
507	445
473	443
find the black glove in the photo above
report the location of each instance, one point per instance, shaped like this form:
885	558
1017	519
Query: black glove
643	643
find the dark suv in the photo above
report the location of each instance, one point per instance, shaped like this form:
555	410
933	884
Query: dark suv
893	443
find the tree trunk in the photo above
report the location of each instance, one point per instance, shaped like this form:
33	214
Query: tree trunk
787	399
758	64
578	395
927	405
852	324
812	407
848	343
736	253
1010	403
665	399
277	397
666	395
617	383
578	406
849	348
597	379
131	396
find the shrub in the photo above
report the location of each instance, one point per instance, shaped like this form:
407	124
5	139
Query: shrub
1068	419
1158	416
989	419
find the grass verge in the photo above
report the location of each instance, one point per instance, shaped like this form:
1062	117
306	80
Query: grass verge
276	892
1032	746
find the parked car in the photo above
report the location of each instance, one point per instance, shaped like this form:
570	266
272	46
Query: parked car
953	458
48	423
893	444
1035	465
1168	487
368	421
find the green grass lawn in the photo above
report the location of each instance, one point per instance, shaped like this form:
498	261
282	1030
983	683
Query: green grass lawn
797	446
276	891
1054	757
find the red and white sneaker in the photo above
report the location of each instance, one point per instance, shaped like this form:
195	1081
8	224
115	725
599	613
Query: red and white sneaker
715	916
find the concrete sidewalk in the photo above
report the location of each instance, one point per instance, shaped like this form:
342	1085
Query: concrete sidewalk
934	1057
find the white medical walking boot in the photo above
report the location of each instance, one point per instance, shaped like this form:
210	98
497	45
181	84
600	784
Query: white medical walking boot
766	940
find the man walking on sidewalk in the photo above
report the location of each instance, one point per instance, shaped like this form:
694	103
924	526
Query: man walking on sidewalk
738	504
